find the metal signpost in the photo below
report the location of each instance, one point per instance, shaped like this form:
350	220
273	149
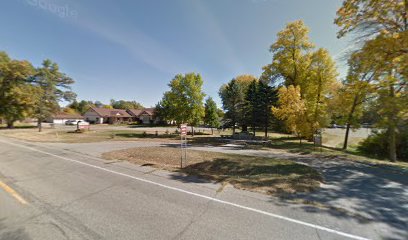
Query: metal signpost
317	139
183	146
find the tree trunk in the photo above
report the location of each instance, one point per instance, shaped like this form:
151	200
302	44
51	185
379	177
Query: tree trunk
39	125
392	128
266	122
266	132
254	130
233	129
244	128
212	131
192	131
316	113
10	124
349	118
346	136
392	143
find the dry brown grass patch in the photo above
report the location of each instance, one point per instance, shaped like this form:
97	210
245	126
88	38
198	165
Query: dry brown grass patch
266	175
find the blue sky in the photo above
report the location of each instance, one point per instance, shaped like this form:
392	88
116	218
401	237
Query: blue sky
131	49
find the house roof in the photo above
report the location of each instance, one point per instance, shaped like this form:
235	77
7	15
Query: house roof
106	112
149	111
63	115
138	112
135	112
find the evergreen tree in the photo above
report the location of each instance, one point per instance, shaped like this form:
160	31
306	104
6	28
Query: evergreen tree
54	86
252	107
267	97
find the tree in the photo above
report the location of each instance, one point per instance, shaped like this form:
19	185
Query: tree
16	94
122	104
292	110
369	17
322	76
162	111
268	97
99	104
54	86
232	102
291	56
184	101
82	106
69	110
296	63
211	117
220	113
383	24
232	96
252	106
348	103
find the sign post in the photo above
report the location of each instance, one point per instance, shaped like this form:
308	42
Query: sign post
317	140
183	146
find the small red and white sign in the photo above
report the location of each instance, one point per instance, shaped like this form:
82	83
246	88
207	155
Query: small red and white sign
183	129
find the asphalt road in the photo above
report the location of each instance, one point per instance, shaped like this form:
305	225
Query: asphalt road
51	193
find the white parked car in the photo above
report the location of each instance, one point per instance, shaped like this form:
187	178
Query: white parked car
71	122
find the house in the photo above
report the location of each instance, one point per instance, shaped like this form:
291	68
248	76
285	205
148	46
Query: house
105	115
61	118
145	116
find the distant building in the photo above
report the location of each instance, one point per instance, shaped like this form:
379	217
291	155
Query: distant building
61	118
107	116
145	116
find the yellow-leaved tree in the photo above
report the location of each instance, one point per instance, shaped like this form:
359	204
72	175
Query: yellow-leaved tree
296	62
348	102
292	111
383	25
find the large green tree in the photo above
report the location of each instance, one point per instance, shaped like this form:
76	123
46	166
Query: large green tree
122	104
252	107
267	98
81	106
184	101
54	86
211	117
16	94
233	96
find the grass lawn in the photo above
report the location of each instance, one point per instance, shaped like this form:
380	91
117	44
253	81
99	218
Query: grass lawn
18	126
291	144
69	136
266	175
278	141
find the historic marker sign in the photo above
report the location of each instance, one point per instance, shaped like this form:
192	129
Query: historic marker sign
183	146
183	129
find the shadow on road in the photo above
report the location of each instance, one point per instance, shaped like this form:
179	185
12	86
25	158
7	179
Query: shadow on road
15	234
361	192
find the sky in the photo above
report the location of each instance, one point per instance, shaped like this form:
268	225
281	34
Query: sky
131	49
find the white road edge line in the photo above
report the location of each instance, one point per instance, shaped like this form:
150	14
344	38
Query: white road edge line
197	195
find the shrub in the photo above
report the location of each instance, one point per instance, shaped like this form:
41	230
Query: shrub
377	144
